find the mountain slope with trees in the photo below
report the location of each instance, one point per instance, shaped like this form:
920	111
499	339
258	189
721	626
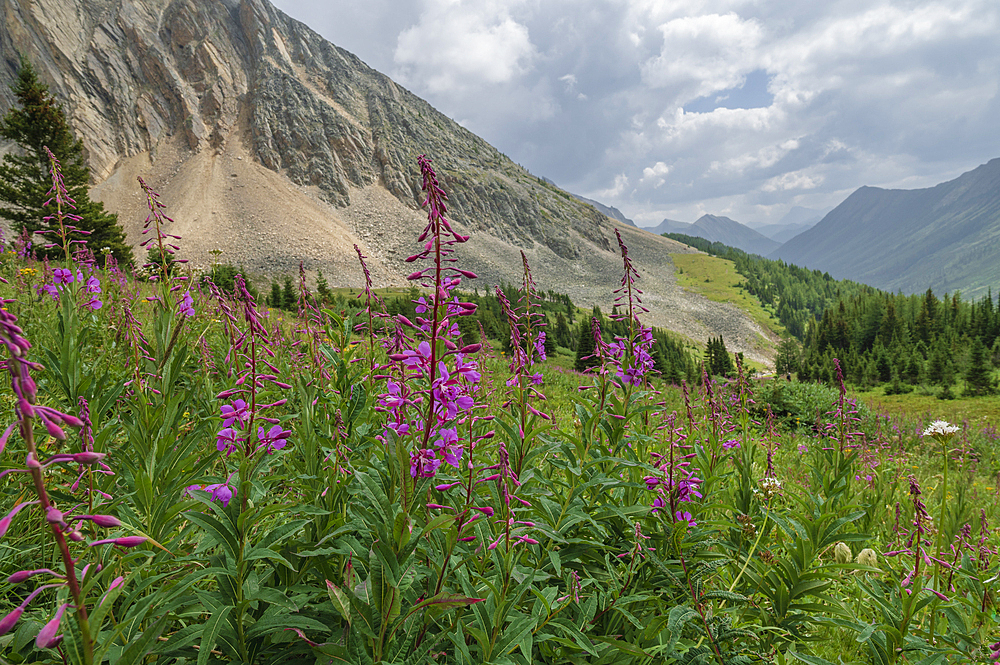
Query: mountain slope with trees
945	237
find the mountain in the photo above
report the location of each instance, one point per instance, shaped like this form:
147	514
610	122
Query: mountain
782	232
945	237
720	229
608	211
275	146
732	233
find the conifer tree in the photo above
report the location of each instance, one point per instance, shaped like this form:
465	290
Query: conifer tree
979	375
37	121
289	299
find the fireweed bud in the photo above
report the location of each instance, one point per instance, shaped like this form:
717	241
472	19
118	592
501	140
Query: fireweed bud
88	457
842	553
5	522
10	620
124	541
47	637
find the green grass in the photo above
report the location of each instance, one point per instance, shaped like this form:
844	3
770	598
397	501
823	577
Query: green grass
917	404
717	280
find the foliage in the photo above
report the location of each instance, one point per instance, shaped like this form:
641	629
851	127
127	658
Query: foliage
374	482
38	121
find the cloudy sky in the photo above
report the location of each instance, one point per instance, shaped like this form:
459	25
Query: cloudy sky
675	108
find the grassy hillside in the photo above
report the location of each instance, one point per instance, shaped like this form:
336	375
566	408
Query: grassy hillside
717	280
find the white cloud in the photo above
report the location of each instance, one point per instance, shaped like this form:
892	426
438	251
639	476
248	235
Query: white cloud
457	45
655	174
792	180
616	190
863	92
704	54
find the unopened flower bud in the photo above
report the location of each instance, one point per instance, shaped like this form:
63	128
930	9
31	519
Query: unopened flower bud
10	620
88	457
47	638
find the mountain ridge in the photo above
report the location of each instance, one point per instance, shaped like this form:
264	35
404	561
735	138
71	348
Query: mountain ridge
944	237
717	228
275	146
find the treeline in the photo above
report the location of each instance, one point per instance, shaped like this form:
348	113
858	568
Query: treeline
568	330
796	295
879	337
907	341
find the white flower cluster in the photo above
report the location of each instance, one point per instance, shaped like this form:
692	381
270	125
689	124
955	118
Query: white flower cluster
941	428
769	487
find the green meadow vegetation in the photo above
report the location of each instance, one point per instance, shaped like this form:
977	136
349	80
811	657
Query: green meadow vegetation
190	475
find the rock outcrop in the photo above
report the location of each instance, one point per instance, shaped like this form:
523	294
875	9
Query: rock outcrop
273	145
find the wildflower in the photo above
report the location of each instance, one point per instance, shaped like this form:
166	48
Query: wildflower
63	276
423	464
226	441
731	444
274	438
685	517
941	429
221	492
237	412
770	487
186	304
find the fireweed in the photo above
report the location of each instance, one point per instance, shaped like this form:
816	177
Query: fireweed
64	203
598	548
65	526
257	378
442	376
527	347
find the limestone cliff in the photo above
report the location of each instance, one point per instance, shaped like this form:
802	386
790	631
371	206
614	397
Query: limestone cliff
273	145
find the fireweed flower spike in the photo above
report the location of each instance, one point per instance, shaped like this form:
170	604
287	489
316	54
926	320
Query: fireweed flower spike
436	378
64	204
64	527
155	222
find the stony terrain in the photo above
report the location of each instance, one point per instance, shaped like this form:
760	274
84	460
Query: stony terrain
275	146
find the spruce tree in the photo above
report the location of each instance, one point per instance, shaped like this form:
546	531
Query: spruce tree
289	298
979	375
37	121
585	348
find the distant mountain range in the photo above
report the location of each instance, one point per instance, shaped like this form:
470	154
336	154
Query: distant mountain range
721	229
945	237
795	221
608	211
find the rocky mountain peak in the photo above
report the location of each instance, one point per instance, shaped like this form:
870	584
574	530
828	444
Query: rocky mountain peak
275	146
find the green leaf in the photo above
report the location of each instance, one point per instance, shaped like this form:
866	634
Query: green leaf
138	649
812	660
222	533
210	633
340	601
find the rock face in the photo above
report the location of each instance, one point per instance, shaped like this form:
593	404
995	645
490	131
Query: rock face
273	145
136	72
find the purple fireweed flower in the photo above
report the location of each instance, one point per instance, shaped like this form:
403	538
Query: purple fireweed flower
685	517
274	439
186	304
93	304
731	444
227	441
63	276
93	285
431	379
220	492
237	412
424	464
